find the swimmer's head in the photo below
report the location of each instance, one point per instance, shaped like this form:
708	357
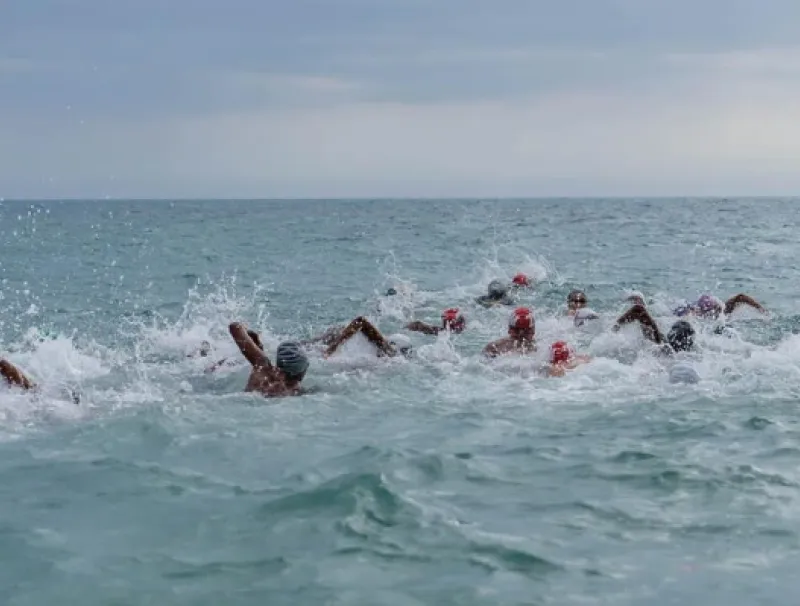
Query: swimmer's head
291	360
708	306
521	324
205	349
584	315
496	290
576	299
634	297
560	352
401	344
681	336
391	292
521	281
453	320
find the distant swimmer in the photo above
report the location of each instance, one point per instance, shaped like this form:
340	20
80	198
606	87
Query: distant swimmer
679	338
203	351
452	320
576	300
387	346
15	377
521	335
497	294
563	358
284	378
710	307
521	281
226	361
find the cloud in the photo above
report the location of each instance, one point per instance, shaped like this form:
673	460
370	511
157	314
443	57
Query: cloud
391	97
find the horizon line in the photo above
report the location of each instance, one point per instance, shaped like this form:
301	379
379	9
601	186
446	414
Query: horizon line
684	197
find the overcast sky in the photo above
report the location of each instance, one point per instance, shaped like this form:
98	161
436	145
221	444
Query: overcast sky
338	98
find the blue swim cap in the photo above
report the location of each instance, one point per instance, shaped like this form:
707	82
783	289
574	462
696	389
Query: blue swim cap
291	359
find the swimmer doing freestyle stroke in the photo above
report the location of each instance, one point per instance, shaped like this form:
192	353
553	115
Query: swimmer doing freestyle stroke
281	379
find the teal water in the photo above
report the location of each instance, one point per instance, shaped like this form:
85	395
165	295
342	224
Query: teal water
439	480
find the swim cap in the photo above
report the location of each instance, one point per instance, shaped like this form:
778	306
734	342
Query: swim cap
682	310
453	319
576	296
391	292
707	304
682	372
497	289
291	359
584	315
560	352
401	344
635	297
521	280
521	319
681	336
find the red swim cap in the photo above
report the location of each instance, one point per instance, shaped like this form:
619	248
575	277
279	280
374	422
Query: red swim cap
560	352
521	280
453	319
521	319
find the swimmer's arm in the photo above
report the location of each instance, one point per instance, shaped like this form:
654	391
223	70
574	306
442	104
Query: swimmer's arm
638	313
14	376
494	349
249	348
364	326
556	370
418	326
327	338
742	299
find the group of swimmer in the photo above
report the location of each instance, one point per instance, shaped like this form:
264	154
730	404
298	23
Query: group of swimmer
284	377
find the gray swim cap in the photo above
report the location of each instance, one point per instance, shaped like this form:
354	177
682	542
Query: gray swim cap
291	359
497	289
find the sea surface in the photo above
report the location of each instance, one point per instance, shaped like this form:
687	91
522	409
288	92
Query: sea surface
442	479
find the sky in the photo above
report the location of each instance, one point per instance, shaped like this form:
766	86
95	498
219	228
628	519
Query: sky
398	98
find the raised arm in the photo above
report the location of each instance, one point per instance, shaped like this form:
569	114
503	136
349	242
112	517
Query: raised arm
364	326
418	326
249	348
742	299
638	313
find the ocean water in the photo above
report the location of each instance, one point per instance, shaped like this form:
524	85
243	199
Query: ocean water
438	480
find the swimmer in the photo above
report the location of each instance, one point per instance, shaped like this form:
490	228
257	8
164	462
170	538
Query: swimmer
15	377
452	320
390	347
521	335
521	281
270	381
203	351
708	306
562	359
679	338
496	294
225	361
576	300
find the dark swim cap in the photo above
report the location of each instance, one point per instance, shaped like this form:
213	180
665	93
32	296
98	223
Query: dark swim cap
681	336
291	359
391	292
497	289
